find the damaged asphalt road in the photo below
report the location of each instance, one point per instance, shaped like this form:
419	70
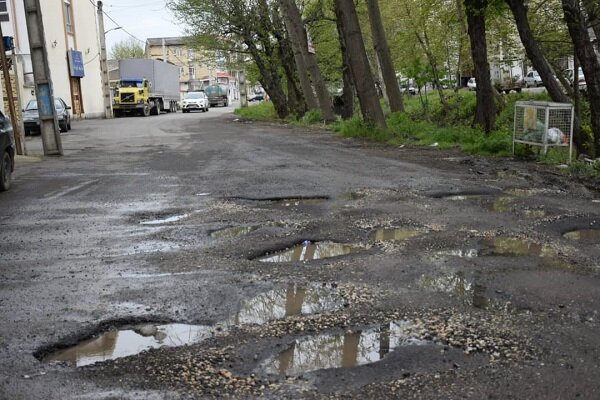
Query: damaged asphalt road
192	256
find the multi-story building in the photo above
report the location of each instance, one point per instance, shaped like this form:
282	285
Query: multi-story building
73	47
197	69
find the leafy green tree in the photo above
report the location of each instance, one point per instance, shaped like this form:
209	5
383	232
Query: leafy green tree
128	48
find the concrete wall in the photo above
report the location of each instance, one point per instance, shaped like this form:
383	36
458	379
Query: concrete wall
84	39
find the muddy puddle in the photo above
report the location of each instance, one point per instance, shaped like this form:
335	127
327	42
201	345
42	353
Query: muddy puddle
501	204
299	202
308	251
463	288
292	300
127	342
346	350
233	232
393	234
584	235
515	247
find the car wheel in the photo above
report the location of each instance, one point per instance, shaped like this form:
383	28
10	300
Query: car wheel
69	124
62	127
5	171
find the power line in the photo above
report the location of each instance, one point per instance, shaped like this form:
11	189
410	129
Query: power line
117	24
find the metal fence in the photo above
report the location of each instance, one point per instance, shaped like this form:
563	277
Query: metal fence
544	124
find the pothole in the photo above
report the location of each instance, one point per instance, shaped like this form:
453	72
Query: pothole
392	234
232	232
346	350
584	235
165	220
461	195
468	292
286	302
514	247
299	201
308	251
127	342
501	204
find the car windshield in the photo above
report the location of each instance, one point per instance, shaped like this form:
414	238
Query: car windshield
32	105
197	95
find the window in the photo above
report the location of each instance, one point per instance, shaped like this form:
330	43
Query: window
3	10
181	71
177	51
192	71
68	17
190	53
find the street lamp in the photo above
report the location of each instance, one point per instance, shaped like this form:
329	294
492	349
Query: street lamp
113	29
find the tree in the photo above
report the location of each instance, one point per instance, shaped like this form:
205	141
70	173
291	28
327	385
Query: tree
485	111
296	30
129	48
383	54
576	20
359	64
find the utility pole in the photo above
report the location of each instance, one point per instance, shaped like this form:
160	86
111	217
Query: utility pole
103	64
43	82
9	95
243	89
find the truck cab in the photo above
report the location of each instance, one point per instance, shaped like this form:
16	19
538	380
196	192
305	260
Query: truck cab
132	95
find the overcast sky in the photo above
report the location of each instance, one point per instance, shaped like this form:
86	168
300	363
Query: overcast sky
141	18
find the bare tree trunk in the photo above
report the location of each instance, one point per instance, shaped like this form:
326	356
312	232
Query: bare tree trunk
385	59
424	42
348	80
307	90
359	64
485	112
460	13
293	19
590	64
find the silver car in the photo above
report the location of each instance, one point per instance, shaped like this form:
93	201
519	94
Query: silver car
31	116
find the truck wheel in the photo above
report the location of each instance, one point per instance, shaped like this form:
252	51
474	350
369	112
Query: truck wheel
117	113
146	111
156	109
5	171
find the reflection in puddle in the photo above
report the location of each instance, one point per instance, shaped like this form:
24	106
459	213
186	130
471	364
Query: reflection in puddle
584	235
307	251
354	195
167	220
389	234
342	350
462	197
529	213
286	302
123	343
471	294
232	232
513	247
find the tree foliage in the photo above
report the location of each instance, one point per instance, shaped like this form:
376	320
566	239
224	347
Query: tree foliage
128	48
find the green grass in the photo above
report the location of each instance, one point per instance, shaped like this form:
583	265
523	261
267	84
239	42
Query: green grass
261	112
425	124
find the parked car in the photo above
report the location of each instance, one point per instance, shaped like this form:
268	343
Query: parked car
195	101
256	96
31	116
580	79
7	153
533	79
472	84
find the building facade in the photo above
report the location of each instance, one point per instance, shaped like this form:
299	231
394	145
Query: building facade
73	47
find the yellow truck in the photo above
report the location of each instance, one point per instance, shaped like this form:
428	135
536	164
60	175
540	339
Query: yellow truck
145	87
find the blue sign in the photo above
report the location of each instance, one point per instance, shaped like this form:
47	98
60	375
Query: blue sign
75	63
9	43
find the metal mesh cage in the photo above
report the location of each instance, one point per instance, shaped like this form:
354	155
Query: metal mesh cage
545	124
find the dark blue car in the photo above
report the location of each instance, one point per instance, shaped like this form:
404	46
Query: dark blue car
7	152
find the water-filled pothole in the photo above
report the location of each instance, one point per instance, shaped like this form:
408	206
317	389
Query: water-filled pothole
299	201
127	342
391	234
501	204
165	220
584	235
232	232
307	251
515	247
286	302
346	350
468	292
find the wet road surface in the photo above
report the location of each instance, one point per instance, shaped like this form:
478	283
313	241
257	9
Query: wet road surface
184	256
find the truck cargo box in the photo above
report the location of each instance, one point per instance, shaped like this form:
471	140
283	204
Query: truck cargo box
163	77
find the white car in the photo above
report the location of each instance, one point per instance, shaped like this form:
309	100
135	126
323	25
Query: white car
472	84
195	101
580	79
533	79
